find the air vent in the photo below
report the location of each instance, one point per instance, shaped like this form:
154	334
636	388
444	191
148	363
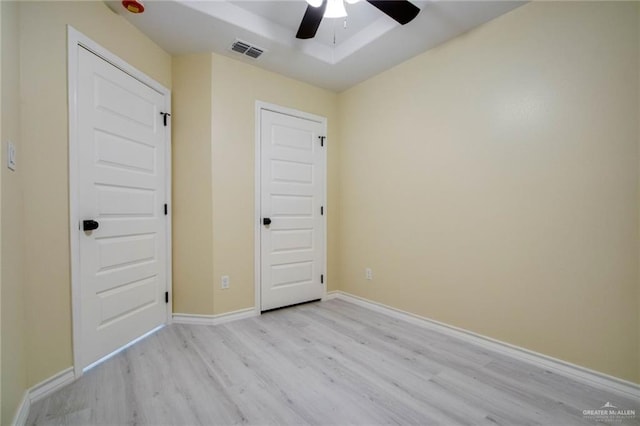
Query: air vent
245	48
254	52
240	47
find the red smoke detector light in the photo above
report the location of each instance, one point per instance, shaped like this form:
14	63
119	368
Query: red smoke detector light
133	6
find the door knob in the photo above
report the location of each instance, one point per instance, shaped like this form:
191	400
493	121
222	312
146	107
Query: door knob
266	221
89	225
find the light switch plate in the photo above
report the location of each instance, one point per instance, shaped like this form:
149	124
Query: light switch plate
11	156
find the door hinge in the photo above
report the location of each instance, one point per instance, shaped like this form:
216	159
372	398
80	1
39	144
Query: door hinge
322	279
164	117
166	209
321	210
322	138
166	297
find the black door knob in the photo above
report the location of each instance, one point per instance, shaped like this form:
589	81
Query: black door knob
266	221
89	225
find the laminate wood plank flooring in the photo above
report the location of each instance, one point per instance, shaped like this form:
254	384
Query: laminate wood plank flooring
323	363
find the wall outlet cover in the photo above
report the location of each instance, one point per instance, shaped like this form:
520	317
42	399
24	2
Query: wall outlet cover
368	273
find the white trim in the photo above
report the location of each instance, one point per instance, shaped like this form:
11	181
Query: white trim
582	374
169	216
331	295
215	319
72	76
52	384
39	391
22	412
75	39
257	206
260	105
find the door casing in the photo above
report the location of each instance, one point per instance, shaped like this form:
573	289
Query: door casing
260	106
75	39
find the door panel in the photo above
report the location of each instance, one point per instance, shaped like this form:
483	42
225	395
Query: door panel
119	152
121	185
292	188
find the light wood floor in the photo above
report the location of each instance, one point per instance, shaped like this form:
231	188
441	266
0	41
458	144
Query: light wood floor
330	363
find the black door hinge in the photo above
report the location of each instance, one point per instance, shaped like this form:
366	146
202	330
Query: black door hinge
164	117
166	209
322	279
322	138
321	210
166	297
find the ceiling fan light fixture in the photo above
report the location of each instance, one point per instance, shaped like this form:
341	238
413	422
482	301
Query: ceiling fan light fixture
335	9
401	11
314	3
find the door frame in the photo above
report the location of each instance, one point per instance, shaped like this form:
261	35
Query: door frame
260	106
76	39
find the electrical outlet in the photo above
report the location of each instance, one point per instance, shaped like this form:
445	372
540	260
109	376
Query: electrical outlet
225	281
368	273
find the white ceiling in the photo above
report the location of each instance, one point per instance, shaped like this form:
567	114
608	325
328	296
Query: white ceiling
372	42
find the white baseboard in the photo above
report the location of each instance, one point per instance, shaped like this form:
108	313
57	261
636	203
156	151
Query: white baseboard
214	319
582	374
41	390
52	384
22	413
331	295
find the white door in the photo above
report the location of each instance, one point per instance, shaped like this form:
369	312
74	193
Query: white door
121	186
292	198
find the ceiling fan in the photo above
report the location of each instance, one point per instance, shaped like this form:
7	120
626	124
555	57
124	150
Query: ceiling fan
403	11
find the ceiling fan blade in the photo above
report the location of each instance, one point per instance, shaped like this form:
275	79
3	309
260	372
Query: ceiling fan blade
311	21
402	11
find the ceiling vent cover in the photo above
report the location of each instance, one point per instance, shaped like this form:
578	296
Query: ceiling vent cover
245	48
254	52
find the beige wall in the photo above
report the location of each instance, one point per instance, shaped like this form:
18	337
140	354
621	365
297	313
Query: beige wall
13	365
44	145
236	86
492	183
220	224
191	221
